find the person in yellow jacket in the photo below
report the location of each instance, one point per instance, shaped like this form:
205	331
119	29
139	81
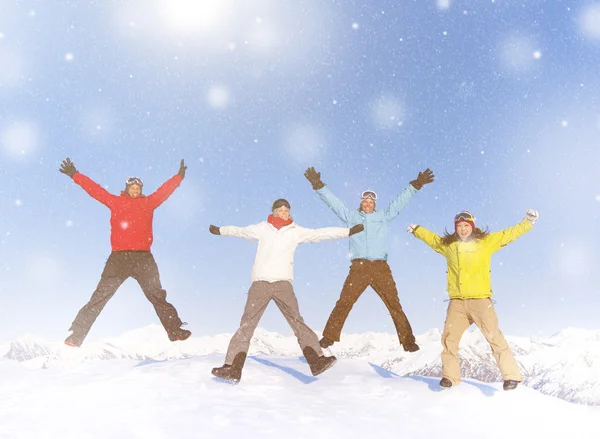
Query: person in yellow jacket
468	252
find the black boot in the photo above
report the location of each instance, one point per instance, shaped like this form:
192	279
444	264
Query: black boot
445	382
326	342
231	372
510	384
318	364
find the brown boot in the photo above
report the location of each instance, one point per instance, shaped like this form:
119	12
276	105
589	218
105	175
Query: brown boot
510	384
318	364
445	382
326	342
231	372
411	347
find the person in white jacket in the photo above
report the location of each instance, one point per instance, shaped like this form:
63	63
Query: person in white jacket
272	276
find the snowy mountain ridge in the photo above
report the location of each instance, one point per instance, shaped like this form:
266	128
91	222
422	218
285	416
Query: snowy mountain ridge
564	365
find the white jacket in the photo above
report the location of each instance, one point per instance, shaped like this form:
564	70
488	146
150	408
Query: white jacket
275	254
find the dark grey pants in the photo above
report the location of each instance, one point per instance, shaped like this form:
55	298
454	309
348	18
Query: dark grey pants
119	267
259	296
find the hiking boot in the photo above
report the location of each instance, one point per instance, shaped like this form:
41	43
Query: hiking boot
231	372
179	334
445	382
411	347
510	384
74	340
326	342
318	364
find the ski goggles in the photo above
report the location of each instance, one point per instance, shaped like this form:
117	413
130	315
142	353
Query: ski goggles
134	180
464	216
369	194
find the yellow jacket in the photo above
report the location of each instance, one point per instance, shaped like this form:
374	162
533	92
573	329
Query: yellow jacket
469	261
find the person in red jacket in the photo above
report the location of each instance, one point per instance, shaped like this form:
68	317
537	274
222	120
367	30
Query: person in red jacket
131	215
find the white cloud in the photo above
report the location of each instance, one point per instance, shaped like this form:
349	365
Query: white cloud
589	21
218	97
304	143
387	112
19	138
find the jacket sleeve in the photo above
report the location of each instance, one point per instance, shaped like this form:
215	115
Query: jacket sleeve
94	189
433	240
400	202
497	240
252	232
161	194
318	235
337	205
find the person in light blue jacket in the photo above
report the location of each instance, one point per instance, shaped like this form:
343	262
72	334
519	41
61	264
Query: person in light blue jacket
368	253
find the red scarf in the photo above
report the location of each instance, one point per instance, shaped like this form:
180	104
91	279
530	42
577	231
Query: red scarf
278	223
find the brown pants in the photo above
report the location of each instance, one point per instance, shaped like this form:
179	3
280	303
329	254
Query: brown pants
259	296
120	266
364	273
462	314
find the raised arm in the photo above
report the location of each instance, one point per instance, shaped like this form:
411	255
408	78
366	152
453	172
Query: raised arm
433	240
318	235
164	192
327	196
250	232
400	202
95	191
497	240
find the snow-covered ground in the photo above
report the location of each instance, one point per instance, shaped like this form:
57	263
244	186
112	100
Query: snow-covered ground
140	385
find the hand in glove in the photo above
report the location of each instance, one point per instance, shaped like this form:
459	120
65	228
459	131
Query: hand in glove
315	178
424	178
356	229
412	228
67	167
214	230
182	169
532	216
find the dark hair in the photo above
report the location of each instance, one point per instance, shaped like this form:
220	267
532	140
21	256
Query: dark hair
449	238
279	203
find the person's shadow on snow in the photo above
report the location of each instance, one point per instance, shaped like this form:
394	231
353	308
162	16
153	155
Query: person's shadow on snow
432	382
293	372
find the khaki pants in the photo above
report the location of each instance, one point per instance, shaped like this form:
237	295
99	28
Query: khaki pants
461	314
259	296
365	273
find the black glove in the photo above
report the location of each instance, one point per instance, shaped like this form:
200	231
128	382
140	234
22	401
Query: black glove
424	178
182	169
67	167
356	229
315	178
214	230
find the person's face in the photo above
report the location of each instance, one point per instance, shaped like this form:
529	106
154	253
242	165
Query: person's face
367	205
464	230
283	212
134	190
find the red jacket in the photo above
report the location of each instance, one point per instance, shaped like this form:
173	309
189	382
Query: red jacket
130	218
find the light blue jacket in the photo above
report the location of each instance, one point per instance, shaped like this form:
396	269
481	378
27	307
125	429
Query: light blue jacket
370	244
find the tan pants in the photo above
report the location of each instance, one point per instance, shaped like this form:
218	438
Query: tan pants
461	314
259	296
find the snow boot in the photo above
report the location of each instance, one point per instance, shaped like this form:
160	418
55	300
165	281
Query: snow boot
445	382
318	364
74	340
326	342
510	384
231	372
411	347
179	334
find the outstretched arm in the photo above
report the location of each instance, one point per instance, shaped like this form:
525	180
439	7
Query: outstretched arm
400	202
318	235
433	240
96	191
327	196
497	240
166	190
250	232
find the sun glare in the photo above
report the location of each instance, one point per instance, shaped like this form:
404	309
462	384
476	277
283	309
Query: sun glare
195	15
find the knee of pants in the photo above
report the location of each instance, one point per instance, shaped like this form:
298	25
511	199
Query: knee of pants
158	293
449	342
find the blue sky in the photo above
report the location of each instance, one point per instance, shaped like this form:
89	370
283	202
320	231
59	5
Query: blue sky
499	98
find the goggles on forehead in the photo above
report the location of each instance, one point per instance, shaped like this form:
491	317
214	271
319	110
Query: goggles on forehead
464	216
134	180
369	194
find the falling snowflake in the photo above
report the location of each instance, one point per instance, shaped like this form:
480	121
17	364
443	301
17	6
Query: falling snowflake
355	26
68	57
